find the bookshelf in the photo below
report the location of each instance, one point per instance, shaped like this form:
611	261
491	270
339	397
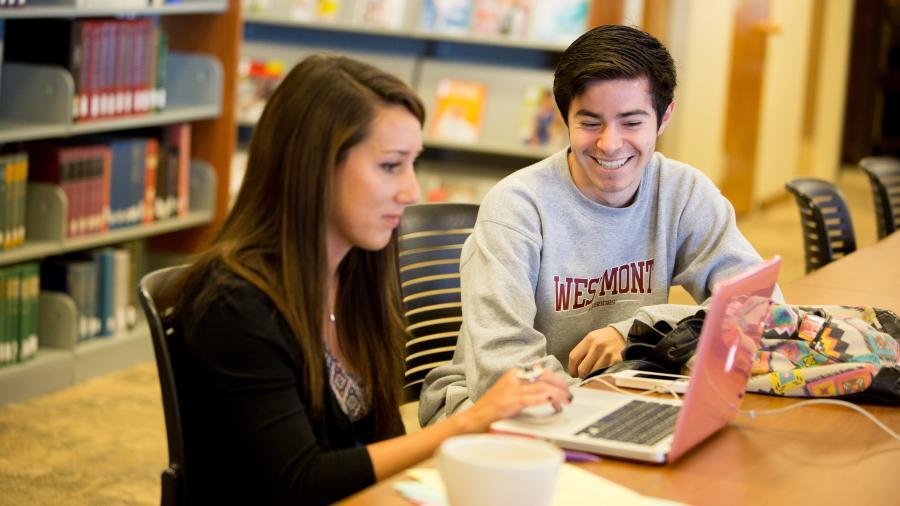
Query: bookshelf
509	68
197	81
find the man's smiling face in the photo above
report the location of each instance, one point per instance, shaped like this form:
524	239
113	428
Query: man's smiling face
612	132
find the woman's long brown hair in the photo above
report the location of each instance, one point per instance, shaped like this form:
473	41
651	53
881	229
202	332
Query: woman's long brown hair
274	236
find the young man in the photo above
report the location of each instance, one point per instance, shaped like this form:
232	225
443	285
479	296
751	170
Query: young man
567	252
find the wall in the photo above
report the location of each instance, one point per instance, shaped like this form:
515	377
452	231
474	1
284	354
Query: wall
781	110
824	147
700	38
700	41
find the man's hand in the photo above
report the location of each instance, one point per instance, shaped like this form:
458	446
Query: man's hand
600	348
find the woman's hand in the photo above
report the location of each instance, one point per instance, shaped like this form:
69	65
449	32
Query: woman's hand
512	393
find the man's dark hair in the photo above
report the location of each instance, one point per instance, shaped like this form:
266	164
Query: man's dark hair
615	52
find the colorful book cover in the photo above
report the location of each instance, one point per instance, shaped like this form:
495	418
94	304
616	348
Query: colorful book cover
257	6
380	13
501	18
315	10
559	21
257	80
446	16
540	123
458	110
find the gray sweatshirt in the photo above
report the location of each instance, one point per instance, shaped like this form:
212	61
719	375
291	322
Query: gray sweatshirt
545	266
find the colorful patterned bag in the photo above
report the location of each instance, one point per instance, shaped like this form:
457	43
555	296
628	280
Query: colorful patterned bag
829	351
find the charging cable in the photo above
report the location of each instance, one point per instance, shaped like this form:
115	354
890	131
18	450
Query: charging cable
752	413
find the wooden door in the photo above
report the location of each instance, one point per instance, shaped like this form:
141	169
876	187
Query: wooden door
742	119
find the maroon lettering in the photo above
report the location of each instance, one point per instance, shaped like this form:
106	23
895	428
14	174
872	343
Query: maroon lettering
562	293
608	282
579	302
637	277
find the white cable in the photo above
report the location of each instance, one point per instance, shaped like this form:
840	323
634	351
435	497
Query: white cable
753	413
659	389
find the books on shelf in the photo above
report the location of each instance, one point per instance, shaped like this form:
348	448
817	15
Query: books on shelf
540	123
458	110
98	282
117	65
13	184
257	80
380	13
446	16
314	10
501	18
116	182
437	186
560	21
19	287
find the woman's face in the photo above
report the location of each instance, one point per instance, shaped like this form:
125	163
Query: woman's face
375	183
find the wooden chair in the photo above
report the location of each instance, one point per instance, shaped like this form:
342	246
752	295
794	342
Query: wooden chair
827	227
431	240
884	176
158	303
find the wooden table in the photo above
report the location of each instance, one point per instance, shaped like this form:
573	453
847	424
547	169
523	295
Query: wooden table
812	455
869	276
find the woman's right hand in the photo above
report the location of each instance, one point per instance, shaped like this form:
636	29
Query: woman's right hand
511	393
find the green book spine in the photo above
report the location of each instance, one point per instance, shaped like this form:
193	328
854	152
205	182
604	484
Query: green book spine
14	305
5	347
31	287
4	164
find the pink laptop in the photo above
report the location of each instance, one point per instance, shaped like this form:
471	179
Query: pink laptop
659	429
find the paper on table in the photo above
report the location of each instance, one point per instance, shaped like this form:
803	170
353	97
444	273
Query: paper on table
574	486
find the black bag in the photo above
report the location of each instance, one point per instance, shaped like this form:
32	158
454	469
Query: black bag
659	348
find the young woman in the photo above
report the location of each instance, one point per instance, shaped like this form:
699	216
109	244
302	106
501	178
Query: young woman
291	322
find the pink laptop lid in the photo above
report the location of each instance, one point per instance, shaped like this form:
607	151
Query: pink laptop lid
728	342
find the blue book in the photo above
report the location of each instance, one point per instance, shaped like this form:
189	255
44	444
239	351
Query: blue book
446	16
106	285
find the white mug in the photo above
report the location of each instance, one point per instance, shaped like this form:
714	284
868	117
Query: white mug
498	470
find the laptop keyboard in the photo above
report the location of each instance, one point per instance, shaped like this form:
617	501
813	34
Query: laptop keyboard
638	422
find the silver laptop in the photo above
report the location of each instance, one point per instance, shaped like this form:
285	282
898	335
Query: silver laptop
659	429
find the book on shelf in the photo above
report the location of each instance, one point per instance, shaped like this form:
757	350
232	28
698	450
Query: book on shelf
460	188
458	111
446	16
541	124
257	80
380	13
559	21
315	10
13	184
98	282
82	172
108	182
28	324
117	65
501	18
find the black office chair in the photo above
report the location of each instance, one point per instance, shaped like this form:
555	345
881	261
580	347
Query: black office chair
158	302
431	239
827	227
884	176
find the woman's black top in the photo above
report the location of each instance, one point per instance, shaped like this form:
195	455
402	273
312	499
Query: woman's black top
249	438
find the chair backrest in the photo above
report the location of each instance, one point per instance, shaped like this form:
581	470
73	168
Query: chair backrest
158	301
827	227
431	240
884	176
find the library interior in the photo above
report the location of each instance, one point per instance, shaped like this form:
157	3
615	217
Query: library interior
790	108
